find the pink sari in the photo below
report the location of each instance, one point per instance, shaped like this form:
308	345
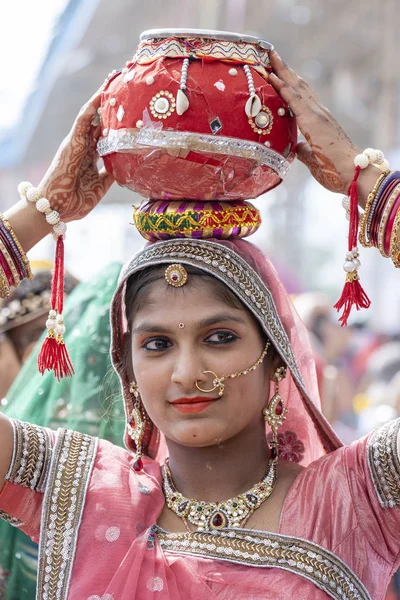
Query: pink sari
335	539
96	517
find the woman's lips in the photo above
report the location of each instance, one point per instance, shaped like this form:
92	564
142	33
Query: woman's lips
192	405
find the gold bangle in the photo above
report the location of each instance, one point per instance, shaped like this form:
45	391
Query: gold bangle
11	264
395	241
371	197
384	219
24	257
4	285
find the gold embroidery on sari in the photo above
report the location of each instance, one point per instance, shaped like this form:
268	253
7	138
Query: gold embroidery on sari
10	520
64	500
384	465
31	456
263	549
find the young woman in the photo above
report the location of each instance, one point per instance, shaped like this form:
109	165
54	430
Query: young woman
203	335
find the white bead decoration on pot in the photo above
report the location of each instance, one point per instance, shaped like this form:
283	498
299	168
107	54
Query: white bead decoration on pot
253	104
182	101
162	105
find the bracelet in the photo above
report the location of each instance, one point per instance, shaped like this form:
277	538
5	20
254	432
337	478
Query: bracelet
391	177
32	194
19	253
379	210
394	196
371	197
8	265
390	224
395	241
4	285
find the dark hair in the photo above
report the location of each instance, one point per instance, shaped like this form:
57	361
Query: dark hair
137	290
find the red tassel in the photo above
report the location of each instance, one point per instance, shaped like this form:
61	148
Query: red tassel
353	294
54	354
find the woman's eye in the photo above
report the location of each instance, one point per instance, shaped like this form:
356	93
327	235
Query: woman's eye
221	337
156	345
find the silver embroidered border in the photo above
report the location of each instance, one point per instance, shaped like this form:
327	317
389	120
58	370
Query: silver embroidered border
25	452
226	265
15	449
122	140
188	544
384	464
53	523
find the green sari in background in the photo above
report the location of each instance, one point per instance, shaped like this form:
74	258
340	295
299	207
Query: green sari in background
89	402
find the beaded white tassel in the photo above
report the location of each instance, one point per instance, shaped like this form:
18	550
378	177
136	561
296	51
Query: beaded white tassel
353	294
182	101
253	104
53	355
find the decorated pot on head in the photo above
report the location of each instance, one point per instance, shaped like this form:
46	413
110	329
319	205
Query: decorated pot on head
192	118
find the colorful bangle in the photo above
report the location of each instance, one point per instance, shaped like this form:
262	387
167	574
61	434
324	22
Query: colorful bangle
4	285
395	241
162	220
12	249
394	175
378	212
391	201
9	266
22	257
390	224
371	197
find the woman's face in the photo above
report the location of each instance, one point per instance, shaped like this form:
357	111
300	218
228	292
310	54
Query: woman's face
177	334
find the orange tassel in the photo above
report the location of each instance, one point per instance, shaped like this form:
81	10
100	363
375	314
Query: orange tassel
353	294
54	355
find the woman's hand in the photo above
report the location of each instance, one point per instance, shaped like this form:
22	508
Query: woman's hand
328	152
73	184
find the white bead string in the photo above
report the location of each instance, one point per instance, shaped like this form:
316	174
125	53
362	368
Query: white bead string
185	67
182	101
253	104
55	322
28	192
250	80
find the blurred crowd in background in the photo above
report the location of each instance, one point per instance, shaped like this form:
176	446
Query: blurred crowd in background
346	50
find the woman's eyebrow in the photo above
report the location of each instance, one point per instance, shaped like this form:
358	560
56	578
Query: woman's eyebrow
148	327
220	318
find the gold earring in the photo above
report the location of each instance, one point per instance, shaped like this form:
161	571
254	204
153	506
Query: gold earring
136	426
276	413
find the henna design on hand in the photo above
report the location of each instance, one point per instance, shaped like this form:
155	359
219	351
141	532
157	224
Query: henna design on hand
73	182
329	152
323	169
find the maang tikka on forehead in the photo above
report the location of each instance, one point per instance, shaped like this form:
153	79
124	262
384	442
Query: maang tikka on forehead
176	275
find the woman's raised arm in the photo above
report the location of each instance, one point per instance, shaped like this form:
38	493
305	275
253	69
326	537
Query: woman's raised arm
73	183
6	447
328	152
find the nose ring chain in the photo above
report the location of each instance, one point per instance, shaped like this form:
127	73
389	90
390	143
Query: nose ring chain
219	382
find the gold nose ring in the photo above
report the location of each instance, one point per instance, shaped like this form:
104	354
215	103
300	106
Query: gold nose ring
216	382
